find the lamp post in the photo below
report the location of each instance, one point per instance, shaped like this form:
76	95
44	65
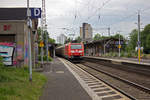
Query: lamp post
138	38
139	42
119	43
29	41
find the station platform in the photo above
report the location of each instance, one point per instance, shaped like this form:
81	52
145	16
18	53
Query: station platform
123	60
61	84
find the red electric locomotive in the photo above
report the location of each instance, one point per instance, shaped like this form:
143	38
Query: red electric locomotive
71	51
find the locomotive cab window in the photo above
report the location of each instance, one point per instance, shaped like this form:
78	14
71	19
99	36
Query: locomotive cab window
76	46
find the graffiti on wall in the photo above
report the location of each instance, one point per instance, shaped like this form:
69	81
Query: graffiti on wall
7	51
6	44
26	49
19	50
26	54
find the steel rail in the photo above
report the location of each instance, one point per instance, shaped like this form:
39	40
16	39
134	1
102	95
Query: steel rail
145	89
121	91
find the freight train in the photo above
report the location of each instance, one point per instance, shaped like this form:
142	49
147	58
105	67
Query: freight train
71	51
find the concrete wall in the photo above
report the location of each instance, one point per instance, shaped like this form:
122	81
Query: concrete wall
17	29
20	30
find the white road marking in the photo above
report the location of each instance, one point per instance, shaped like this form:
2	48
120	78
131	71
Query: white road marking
60	72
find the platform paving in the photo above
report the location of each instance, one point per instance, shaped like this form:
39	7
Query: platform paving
131	59
123	59
61	84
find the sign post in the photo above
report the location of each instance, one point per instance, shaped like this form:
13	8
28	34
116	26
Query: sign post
119	46
29	42
35	13
41	44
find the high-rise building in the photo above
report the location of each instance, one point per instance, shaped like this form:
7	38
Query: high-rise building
61	39
86	32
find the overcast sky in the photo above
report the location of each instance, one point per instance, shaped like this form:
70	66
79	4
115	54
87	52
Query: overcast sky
119	15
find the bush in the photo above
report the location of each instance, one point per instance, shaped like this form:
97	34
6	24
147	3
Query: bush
114	54
144	56
110	54
107	54
136	54
50	58
129	54
44	58
122	54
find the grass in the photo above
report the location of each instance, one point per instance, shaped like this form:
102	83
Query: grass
15	85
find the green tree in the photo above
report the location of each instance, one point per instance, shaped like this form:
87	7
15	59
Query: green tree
68	40
145	38
45	33
148	42
50	40
133	40
117	37
78	39
39	33
97	37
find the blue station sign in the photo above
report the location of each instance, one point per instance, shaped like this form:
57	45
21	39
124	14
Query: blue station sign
35	13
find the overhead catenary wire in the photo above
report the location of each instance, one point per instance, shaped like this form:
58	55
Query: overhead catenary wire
99	9
99	14
132	15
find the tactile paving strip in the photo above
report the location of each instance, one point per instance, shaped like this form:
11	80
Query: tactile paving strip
97	89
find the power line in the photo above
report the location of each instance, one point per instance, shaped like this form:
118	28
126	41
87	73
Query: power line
134	14
125	18
146	9
99	9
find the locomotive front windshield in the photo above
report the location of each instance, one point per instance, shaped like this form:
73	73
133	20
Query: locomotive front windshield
76	46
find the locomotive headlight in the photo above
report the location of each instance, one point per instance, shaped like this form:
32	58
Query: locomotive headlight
72	51
80	51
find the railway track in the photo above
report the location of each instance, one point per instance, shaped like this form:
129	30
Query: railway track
146	89
127	87
95	87
134	68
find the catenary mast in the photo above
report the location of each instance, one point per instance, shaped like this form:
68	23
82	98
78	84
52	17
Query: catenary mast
44	29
